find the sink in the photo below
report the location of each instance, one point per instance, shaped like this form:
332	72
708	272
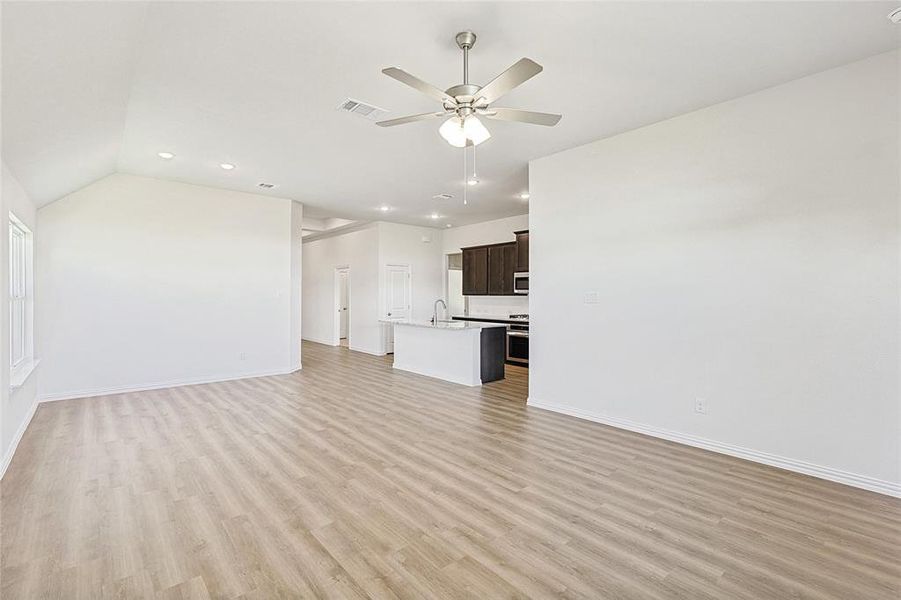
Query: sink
450	324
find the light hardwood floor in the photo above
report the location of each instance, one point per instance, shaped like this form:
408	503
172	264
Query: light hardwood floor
348	480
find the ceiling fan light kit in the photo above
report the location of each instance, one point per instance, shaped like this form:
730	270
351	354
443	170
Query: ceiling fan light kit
475	131
452	131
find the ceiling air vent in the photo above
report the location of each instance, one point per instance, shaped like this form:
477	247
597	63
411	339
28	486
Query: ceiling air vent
362	109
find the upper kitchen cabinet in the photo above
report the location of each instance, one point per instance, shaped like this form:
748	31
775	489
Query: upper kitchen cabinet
509	268
475	271
501	266
488	270
522	251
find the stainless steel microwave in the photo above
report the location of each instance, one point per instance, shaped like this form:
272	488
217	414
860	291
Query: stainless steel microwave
521	283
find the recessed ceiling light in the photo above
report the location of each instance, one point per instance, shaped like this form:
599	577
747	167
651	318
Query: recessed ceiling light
448	225
166	155
895	16
265	185
472	181
436	216
227	166
384	208
524	196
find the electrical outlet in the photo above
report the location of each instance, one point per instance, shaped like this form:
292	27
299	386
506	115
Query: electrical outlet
700	406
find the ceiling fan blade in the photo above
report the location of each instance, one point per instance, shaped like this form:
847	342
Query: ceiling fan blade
521	116
522	71
409	119
418	84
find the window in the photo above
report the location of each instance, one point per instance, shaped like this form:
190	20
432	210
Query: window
20	343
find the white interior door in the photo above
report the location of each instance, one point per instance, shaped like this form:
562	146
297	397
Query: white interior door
342	304
398	294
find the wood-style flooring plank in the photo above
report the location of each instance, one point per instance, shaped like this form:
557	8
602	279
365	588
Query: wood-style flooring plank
350	480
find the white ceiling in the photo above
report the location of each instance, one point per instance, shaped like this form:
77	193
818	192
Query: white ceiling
91	88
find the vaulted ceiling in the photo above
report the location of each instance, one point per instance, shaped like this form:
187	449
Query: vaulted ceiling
91	88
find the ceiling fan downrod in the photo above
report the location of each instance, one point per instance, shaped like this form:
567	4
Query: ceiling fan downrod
465	41
464	94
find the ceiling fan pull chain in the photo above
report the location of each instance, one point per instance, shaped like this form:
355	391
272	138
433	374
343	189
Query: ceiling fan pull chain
464	175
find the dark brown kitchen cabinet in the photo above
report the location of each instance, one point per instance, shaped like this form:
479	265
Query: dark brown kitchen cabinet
488	270
501	265
475	271
509	268
522	251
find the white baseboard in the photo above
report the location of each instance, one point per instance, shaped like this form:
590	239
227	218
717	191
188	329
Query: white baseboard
365	351
319	341
872	484
354	348
105	391
10	452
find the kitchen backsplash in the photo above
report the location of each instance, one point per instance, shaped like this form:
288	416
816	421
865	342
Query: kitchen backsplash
497	305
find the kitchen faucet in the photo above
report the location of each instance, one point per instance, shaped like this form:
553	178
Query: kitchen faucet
435	313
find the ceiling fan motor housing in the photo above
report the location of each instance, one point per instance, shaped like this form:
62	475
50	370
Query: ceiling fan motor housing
464	94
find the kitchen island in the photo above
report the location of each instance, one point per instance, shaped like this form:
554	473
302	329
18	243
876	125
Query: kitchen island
461	352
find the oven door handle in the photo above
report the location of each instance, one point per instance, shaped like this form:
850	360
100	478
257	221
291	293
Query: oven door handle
518	333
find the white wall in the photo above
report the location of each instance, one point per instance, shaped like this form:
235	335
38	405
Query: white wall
16	406
147	283
747	254
489	232
358	250
406	245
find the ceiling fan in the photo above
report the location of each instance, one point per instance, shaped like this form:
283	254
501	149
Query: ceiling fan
463	104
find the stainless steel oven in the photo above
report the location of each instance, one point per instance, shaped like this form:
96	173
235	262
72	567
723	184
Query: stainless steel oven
521	283
518	344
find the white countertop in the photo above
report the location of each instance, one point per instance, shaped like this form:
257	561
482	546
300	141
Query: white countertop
446	325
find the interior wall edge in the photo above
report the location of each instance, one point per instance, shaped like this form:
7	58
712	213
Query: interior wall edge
127	389
11	451
888	488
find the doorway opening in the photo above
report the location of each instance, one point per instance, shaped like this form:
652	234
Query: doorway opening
342	307
456	301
